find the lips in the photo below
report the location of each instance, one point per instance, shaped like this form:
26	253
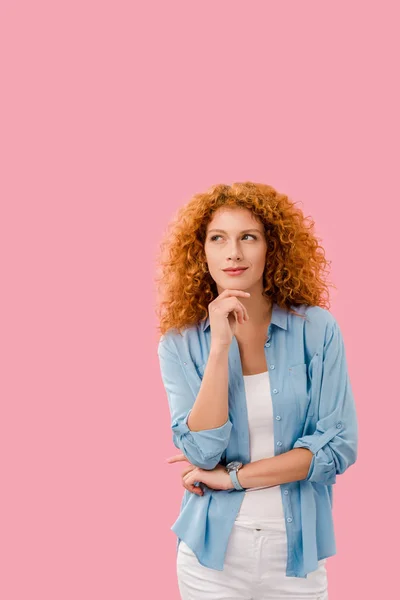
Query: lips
234	270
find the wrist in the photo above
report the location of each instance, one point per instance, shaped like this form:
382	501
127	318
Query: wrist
232	469
238	476
229	482
218	350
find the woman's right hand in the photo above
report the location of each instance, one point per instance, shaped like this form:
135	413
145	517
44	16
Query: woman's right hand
226	312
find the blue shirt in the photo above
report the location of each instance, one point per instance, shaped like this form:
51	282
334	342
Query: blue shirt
313	407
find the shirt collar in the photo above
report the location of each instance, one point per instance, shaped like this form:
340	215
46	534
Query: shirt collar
279	317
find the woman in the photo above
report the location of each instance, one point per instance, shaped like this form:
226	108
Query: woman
255	372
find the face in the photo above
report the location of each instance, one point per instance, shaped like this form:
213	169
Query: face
235	238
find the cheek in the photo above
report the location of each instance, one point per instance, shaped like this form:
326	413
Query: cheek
258	262
212	260
211	265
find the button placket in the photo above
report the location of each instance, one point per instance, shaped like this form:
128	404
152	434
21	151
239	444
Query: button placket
288	507
274	390
278	418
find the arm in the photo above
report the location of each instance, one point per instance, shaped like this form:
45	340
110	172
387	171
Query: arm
332	447
204	437
266	472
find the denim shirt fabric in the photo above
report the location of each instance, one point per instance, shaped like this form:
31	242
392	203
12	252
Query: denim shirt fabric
313	407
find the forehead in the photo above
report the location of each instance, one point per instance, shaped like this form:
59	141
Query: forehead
232	218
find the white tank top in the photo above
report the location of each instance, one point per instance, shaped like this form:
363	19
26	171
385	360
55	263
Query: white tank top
261	503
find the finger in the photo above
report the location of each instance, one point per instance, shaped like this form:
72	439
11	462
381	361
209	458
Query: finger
245	312
193	489
233	309
188	482
177	458
234	305
240	312
186	471
229	292
239	317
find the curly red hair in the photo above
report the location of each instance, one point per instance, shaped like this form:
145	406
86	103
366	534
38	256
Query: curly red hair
295	272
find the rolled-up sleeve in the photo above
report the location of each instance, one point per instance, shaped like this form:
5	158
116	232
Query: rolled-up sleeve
202	448
334	443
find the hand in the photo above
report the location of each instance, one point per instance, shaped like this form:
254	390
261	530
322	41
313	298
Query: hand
226	313
216	479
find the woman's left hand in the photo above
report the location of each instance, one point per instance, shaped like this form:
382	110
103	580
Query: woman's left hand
217	478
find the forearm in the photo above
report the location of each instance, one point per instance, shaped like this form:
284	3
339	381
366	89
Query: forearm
210	409
284	468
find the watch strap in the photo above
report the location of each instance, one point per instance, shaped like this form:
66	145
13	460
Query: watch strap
235	481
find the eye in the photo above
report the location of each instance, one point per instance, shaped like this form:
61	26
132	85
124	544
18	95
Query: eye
244	235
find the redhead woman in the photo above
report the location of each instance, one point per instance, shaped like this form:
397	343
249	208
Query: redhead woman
262	410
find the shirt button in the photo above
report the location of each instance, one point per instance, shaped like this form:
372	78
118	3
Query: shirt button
275	391
268	344
279	443
272	367
338	425
286	492
185	363
289	519
278	417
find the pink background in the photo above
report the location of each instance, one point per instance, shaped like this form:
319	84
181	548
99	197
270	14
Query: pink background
113	115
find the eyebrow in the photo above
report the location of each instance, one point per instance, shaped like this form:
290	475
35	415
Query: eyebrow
244	230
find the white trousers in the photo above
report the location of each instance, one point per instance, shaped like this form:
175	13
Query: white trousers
254	569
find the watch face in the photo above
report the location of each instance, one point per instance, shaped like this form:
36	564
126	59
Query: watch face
234	465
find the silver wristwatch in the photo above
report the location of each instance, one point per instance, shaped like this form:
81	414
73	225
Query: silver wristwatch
232	468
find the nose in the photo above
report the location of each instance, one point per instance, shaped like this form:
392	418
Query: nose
235	253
